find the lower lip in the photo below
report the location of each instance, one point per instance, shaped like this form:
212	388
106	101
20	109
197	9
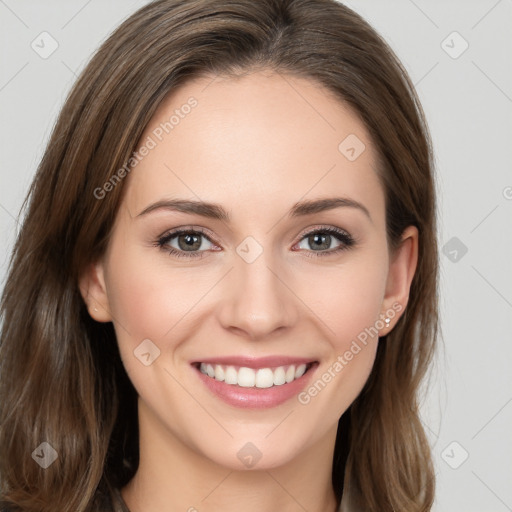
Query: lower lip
256	398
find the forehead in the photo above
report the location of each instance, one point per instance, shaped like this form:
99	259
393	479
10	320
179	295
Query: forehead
256	141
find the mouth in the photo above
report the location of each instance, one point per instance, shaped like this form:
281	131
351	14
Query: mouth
250	383
247	377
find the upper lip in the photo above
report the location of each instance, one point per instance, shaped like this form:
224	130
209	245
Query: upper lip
255	362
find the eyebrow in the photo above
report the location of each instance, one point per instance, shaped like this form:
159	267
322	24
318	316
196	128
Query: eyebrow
216	211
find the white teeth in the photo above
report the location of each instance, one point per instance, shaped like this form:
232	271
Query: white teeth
219	372
300	371
246	377
264	378
279	376
290	374
230	376
250	378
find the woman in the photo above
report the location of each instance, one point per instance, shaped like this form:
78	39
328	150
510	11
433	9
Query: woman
224	291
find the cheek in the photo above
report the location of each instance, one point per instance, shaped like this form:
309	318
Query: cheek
348	298
148	301
348	302
147	298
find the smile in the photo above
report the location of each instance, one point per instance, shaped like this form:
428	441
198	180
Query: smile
255	383
254	378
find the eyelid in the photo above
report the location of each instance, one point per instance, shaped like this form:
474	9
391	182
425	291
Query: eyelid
181	229
319	227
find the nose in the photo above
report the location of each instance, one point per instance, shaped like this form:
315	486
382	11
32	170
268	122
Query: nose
257	299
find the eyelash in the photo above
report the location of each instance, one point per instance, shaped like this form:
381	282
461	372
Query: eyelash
342	236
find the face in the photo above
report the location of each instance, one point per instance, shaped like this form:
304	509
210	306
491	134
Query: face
278	293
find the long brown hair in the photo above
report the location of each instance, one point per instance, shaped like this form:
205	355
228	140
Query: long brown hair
61	377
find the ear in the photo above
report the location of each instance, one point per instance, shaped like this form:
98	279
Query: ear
402	267
94	292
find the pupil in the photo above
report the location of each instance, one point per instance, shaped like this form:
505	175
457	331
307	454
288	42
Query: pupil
317	238
190	240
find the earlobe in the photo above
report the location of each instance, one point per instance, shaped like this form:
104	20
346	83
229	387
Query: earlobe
94	292
402	268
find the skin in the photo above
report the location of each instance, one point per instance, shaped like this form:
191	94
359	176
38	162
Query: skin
256	145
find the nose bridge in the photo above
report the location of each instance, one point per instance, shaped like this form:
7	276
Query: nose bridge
257	302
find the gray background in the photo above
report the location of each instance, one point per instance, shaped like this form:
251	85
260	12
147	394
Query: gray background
467	97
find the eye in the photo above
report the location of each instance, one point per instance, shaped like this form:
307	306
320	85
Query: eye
194	242
185	243
320	241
